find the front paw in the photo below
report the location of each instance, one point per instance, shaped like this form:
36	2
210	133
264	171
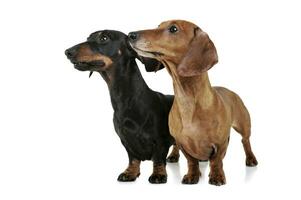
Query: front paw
191	179
125	177
158	178
172	159
217	179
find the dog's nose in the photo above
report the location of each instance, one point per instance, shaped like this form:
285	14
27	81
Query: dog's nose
133	36
70	53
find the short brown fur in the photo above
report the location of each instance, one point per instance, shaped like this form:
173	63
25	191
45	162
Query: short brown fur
201	116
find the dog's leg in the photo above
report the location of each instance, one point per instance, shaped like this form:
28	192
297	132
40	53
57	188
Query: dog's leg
131	172
194	173
217	175
159	174
251	160
245	131
242	124
174	155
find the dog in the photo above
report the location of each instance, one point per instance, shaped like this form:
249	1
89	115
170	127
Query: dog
140	114
201	116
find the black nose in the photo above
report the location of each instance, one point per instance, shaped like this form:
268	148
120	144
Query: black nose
70	53
133	36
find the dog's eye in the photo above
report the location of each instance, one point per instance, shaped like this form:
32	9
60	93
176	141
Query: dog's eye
173	29
103	38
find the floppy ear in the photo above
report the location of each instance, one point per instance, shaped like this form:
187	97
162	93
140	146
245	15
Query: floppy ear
200	57
151	64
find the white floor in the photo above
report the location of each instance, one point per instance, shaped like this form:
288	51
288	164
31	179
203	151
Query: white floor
83	163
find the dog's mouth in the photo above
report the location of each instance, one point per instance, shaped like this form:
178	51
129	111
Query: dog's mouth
88	66
145	53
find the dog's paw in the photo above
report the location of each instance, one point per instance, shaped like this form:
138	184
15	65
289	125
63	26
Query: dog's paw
191	179
157	178
251	161
172	159
217	179
124	177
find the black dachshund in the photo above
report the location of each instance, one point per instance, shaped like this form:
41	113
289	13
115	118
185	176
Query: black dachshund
140	114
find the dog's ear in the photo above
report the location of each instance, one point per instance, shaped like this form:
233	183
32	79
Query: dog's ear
200	57
151	64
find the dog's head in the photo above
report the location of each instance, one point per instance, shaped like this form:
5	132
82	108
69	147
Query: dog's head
177	41
102	50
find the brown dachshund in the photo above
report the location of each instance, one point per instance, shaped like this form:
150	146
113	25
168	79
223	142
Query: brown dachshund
201	116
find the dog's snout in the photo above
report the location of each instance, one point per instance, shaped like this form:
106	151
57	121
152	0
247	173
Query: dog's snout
70	53
133	36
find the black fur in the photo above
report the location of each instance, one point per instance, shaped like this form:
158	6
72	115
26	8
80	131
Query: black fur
140	114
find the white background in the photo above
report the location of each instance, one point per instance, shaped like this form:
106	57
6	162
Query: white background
56	133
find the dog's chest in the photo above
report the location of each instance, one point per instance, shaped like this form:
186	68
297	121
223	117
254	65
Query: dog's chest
133	135
195	141
194	135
